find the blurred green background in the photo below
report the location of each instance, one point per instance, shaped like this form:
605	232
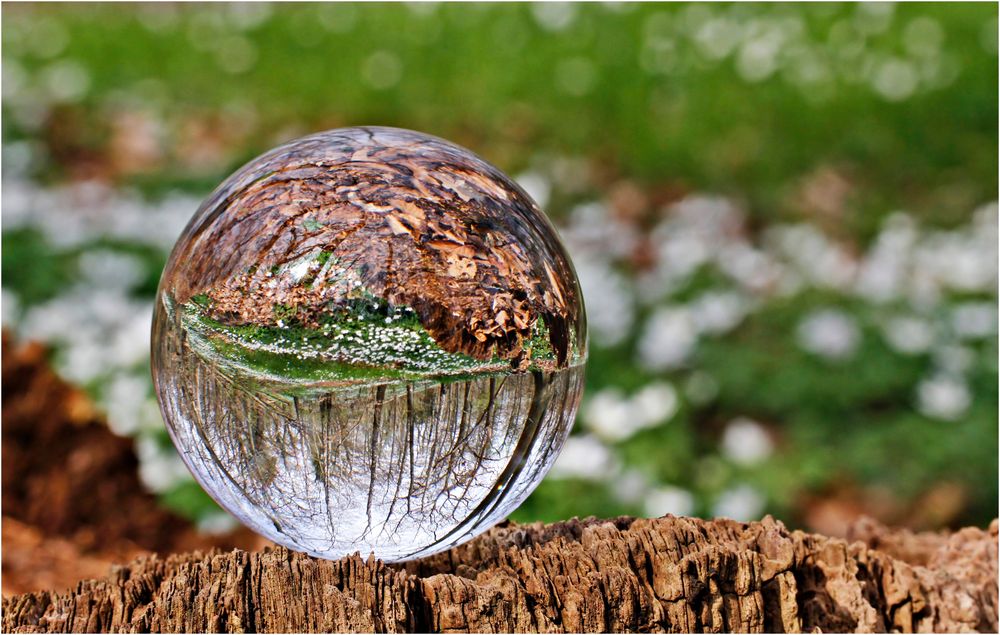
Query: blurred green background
784	219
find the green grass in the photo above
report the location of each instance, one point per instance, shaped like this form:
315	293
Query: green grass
364	340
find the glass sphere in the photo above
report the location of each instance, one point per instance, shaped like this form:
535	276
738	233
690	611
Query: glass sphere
371	340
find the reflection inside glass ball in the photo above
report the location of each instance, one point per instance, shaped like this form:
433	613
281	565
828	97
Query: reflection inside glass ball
370	340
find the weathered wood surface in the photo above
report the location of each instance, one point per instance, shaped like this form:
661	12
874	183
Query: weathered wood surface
668	574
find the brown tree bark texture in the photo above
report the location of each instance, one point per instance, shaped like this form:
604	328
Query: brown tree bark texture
669	574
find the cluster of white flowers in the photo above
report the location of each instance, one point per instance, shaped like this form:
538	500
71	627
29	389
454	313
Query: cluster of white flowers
99	328
743	502
905	279
780	44
614	417
365	344
80	213
100	333
908	280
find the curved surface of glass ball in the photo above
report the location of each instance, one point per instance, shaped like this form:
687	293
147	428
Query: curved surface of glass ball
369	339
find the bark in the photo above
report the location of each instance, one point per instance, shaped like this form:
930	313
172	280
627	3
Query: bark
669	574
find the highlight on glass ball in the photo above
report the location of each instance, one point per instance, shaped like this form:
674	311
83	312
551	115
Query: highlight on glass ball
369	340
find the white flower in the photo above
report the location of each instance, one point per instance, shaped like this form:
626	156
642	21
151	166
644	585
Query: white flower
146	447
909	335
751	268
65	80
161	471
584	457
680	253
591	231
943	397
895	79
537	186
82	361
718	312
655	403
51	321
609	414
974	320
298	270
812	254
717	37
963	259
742	503
746	442
217	523
125	398
554	16
693	230
882	273
631	486
758	57
608	299
614	417
669	500
829	333
129	344
668	339
873	17
10	306
110	269
73	214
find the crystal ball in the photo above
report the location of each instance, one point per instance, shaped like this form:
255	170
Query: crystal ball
369	340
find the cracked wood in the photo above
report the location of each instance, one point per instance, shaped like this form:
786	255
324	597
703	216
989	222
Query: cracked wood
668	574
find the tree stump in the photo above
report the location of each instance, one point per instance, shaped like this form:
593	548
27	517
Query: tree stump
73	506
668	574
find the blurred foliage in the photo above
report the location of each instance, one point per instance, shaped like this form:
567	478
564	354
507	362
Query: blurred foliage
837	115
657	92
